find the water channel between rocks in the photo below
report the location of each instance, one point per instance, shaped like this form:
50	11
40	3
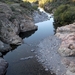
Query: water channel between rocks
23	59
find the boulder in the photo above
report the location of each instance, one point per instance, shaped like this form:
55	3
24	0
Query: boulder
8	32
12	22
67	35
3	66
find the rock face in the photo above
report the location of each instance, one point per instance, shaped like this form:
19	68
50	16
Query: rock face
39	16
3	66
67	47
12	21
67	35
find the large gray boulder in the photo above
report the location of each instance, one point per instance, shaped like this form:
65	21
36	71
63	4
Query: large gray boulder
14	22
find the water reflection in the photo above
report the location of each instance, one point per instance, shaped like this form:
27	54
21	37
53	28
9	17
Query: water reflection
27	34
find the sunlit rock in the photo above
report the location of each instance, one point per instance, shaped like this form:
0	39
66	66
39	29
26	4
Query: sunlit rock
67	35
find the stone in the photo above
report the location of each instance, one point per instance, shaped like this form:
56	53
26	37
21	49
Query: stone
3	66
13	22
67	35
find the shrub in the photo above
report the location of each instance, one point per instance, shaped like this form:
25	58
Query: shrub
35	7
25	4
64	14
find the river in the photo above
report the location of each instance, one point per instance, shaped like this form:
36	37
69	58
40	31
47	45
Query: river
22	59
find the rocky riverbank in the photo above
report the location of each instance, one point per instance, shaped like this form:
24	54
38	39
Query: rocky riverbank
51	52
67	46
57	53
67	35
14	18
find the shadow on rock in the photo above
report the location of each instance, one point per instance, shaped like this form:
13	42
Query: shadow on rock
27	34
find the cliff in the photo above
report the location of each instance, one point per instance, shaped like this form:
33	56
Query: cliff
14	18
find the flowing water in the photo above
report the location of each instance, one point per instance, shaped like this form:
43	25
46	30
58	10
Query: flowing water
22	59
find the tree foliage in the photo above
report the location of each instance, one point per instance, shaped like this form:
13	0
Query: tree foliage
64	14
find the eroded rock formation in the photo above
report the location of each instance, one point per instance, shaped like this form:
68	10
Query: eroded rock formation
12	22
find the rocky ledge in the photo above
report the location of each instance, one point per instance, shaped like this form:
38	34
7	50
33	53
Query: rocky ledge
14	19
67	35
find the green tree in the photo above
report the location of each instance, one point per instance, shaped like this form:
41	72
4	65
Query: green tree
64	14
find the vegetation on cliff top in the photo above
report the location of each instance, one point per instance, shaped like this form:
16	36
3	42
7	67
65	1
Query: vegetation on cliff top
64	11
64	14
27	5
